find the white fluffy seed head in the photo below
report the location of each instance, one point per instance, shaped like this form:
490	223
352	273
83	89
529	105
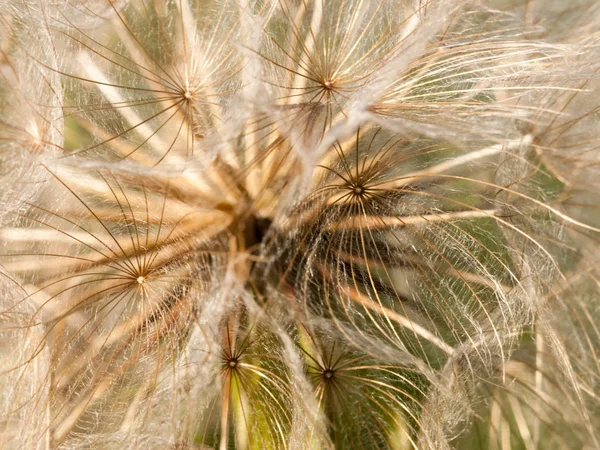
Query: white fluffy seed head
298	224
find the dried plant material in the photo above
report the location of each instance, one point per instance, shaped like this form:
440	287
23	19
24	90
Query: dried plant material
299	224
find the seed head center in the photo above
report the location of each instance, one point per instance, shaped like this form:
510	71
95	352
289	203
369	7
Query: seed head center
328	374
140	279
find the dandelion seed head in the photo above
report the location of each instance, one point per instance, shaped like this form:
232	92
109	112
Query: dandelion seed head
298	224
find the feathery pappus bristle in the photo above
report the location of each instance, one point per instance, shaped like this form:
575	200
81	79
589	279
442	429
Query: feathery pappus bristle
299	224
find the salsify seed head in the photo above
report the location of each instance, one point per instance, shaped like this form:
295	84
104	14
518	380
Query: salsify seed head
300	224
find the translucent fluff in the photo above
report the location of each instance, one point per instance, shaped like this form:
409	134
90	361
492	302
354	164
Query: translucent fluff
299	224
